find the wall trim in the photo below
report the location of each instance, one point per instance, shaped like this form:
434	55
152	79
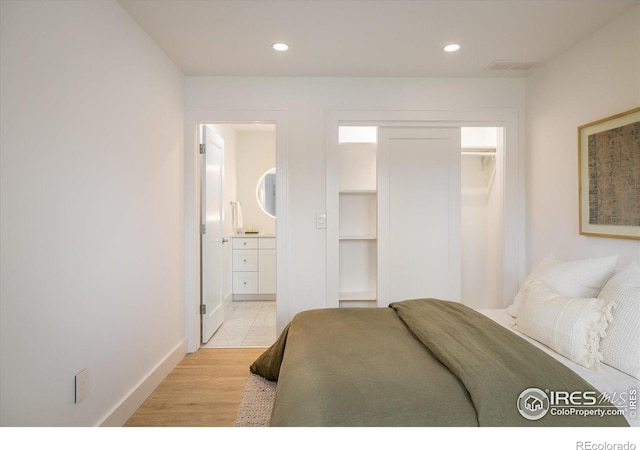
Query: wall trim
134	399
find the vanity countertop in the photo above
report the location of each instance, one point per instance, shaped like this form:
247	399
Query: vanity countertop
253	235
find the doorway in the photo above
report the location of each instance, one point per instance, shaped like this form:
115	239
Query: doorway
247	270
278	119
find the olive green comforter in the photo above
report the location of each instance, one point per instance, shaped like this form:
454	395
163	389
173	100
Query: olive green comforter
417	363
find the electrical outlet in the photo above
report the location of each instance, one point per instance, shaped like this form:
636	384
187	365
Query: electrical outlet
82	385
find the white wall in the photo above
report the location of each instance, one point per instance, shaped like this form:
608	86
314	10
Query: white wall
91	210
256	155
597	78
307	101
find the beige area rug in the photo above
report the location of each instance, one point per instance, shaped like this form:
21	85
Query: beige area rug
256	403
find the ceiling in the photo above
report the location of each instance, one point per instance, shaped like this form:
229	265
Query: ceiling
387	38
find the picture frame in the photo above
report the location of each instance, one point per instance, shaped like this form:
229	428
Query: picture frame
609	176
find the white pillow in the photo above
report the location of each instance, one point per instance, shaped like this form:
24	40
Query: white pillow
621	346
575	278
543	265
571	326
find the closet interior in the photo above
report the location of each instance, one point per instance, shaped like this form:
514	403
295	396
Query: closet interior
363	202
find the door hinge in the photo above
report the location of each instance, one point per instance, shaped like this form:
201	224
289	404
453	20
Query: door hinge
203	309
203	149
203	228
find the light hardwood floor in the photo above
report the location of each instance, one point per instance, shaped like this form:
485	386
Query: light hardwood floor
204	390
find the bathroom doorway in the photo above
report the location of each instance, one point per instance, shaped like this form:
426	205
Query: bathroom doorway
248	269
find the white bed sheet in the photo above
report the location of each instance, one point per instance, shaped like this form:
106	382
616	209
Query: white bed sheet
606	380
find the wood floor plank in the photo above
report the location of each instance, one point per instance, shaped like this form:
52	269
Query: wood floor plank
203	390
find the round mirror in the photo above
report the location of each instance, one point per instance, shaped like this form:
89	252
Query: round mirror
266	192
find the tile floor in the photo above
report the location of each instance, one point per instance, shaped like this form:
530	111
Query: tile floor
246	324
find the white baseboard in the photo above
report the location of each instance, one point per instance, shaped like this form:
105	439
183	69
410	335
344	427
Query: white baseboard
228	298
132	401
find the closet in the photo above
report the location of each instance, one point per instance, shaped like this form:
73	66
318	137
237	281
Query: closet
357	217
418	215
481	218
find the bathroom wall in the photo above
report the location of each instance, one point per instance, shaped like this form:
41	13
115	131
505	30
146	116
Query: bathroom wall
255	155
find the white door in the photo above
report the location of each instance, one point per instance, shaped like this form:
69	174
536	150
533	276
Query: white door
211	231
418	213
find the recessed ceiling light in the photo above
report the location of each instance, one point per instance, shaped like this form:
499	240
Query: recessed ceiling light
451	48
280	47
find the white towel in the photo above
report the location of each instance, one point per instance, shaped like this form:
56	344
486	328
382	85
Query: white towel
236	215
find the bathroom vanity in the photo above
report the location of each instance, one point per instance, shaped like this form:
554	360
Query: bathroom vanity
254	267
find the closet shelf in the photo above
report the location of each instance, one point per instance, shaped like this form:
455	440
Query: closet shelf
357	296
478	151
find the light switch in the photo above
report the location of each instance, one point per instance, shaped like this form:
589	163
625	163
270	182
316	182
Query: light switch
321	221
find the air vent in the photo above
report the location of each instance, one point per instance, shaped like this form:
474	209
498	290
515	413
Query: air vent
510	65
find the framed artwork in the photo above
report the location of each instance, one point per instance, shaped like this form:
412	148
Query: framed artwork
609	176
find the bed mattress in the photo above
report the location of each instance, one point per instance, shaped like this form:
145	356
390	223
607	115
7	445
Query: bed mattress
420	362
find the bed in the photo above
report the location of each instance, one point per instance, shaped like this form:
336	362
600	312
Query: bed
432	362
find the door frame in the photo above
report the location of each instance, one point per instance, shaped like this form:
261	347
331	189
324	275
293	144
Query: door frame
513	196
193	119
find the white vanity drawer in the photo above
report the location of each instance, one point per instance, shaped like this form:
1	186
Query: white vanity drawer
245	282
266	242
245	260
239	243
253	267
